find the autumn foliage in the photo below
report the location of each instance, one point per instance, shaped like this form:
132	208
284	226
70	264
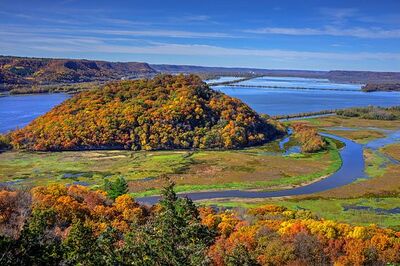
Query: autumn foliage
16	71
75	225
167	112
273	235
308	137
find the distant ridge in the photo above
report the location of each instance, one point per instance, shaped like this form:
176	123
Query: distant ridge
33	71
333	75
27	72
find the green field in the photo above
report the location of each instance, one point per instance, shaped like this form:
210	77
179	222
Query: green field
262	167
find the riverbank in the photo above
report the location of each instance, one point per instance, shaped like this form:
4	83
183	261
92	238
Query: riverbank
261	167
351	169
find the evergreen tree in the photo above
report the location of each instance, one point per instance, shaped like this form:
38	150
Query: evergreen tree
180	237
80	247
37	245
117	188
174	236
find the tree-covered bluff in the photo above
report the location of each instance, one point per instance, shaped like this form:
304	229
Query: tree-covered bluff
167	112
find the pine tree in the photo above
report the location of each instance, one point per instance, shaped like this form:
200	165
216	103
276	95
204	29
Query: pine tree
175	236
180	239
117	188
80	247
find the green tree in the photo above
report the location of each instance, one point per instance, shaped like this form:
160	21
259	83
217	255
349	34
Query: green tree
80	246
180	237
37	244
117	188
8	249
174	236
240	256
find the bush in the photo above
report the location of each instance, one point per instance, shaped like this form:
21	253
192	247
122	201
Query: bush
308	137
5	142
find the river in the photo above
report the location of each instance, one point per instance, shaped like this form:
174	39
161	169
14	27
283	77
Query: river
19	110
352	169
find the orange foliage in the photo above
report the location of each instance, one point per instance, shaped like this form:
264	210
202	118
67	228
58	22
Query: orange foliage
268	235
78	202
271	240
167	112
309	138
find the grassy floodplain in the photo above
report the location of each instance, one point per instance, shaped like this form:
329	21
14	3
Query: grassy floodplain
262	167
373	200
368	201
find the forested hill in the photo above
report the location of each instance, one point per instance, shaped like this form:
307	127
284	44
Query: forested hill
22	73
32	71
167	112
370	87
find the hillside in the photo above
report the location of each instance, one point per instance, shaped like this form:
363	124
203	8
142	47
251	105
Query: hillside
236	71
363	76
167	112
16	71
32	75
371	87
344	76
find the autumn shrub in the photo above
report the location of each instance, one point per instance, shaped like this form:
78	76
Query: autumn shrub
308	137
5	142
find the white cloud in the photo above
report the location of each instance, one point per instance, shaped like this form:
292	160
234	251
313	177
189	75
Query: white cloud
338	15
373	33
209	50
161	33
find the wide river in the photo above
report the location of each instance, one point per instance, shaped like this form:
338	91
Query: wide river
283	95
288	95
19	110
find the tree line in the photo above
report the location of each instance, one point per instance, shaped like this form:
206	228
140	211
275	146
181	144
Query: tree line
59	225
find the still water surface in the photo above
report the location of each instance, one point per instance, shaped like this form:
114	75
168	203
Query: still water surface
283	101
19	110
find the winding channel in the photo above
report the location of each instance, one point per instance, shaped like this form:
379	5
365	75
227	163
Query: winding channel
352	169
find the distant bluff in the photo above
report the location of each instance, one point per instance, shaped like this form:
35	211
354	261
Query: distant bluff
167	112
18	71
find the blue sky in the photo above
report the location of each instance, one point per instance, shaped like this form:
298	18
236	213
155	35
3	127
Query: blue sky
319	35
